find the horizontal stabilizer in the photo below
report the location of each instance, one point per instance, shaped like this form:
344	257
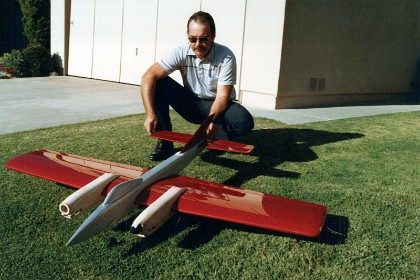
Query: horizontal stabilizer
221	145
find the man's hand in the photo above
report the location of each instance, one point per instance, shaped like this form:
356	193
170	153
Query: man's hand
150	124
148	85
219	106
212	131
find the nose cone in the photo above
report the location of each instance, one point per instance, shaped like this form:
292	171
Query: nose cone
101	219
93	225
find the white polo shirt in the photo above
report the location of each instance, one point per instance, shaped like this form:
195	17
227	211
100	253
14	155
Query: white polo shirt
202	76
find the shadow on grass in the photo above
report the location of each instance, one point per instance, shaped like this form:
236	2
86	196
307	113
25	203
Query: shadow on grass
334	232
274	147
176	224
200	231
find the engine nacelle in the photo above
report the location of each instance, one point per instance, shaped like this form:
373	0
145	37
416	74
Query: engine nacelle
86	197
154	216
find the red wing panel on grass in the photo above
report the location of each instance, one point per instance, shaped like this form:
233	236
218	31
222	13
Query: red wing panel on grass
203	198
71	170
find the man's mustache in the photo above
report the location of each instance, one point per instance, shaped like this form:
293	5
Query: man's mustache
199	49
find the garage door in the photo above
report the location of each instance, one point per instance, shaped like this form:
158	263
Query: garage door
139	36
107	40
112	40
81	38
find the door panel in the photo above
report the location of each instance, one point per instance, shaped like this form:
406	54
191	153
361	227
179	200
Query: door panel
139	37
229	17
172	26
107	40
81	38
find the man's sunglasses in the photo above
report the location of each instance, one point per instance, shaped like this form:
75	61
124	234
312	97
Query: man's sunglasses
194	39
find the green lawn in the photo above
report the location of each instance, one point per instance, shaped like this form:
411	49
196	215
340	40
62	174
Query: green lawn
365	170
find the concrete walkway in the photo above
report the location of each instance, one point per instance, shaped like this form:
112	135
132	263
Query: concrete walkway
300	116
27	104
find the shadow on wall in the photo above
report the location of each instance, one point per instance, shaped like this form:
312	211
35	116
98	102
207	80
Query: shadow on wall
415	83
57	64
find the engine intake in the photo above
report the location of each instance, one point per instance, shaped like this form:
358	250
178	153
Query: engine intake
86	197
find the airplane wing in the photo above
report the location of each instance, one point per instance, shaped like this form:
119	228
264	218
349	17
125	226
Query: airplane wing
202	198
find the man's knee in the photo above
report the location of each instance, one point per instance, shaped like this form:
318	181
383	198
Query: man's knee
239	120
245	125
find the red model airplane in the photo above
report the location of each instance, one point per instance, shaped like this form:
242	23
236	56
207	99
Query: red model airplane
126	187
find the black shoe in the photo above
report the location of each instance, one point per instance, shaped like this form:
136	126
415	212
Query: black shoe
211	154
164	149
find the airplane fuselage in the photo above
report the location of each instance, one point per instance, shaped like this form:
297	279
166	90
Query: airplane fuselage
120	200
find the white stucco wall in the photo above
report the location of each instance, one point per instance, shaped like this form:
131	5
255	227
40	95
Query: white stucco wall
262	52
360	47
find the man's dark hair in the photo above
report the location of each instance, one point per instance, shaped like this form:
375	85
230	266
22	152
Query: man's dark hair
203	17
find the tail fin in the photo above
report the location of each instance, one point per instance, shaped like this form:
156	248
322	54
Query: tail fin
200	135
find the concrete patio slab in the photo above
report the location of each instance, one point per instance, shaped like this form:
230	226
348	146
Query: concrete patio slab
32	103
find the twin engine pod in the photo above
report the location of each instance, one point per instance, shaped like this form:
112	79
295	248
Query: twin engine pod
152	218
86	197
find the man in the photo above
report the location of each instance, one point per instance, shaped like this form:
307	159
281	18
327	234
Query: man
208	71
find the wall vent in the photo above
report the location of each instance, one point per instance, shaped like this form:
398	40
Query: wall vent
312	83
321	83
317	83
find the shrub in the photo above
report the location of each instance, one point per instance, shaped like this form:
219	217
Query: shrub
36	21
37	61
13	63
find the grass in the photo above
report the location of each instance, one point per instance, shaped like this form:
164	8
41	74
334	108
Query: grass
365	170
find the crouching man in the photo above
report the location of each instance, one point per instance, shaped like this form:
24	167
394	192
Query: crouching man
208	71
